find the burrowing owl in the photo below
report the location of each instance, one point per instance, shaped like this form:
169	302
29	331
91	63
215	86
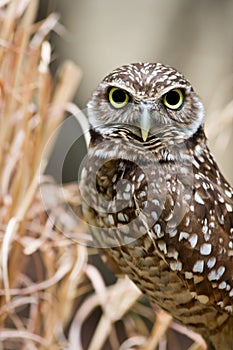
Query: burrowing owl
155	199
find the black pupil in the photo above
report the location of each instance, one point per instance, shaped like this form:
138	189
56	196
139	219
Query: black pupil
173	98
119	96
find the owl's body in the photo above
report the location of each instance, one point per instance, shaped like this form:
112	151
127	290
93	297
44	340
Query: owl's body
155	199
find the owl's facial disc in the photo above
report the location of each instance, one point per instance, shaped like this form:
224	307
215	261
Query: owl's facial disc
147	114
146	101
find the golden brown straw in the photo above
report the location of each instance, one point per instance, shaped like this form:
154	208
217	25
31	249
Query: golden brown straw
38	264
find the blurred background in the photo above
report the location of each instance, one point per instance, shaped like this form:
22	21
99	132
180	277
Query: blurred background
196	37
53	291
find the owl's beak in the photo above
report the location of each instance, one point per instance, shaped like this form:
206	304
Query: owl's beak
145	123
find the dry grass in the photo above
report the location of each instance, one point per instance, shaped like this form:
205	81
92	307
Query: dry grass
45	277
38	264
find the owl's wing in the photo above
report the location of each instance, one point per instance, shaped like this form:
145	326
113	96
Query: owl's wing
203	245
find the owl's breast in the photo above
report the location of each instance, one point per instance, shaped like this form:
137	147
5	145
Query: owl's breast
133	213
125	199
149	219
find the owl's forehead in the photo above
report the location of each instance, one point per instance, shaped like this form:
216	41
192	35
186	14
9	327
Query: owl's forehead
149	78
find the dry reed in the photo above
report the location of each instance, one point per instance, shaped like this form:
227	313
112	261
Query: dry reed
38	264
45	277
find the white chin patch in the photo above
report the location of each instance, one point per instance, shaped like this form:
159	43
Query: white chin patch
91	116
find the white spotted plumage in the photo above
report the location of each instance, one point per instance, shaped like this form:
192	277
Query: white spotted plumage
160	206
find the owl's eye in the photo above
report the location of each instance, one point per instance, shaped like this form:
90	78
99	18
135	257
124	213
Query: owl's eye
174	99
118	97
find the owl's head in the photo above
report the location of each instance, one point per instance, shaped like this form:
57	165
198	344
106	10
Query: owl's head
146	99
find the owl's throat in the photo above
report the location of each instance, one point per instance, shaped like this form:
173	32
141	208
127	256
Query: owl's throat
111	142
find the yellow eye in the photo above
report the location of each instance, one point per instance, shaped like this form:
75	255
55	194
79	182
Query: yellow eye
118	97
174	99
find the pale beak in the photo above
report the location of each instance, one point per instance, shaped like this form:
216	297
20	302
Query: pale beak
145	123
